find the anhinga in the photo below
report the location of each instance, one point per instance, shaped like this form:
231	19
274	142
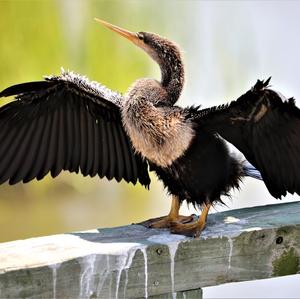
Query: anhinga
69	123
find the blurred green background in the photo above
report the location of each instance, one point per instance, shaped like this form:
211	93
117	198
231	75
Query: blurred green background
38	38
227	45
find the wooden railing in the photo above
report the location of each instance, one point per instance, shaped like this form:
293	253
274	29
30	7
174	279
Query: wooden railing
135	262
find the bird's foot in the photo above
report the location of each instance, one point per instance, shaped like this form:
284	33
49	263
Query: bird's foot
166	221
193	229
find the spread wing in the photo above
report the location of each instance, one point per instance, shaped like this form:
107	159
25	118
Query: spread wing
266	129
65	123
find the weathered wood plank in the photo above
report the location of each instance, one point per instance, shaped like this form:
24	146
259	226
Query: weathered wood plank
135	262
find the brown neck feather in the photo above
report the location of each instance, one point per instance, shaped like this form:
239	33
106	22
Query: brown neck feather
169	59
172	79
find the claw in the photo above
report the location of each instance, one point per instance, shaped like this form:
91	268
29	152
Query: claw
193	229
173	216
166	221
148	223
190	226
189	229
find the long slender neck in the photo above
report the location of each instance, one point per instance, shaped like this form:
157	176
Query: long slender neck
172	75
168	57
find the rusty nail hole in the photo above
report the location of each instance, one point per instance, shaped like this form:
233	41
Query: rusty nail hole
279	240
159	251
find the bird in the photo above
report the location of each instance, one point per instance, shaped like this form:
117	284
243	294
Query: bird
67	122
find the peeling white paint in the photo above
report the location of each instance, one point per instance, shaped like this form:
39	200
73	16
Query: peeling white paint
231	219
110	277
90	231
96	269
172	250
49	250
250	229
172	241
121	265
167	238
146	270
128	265
54	268
230	241
102	277
87	278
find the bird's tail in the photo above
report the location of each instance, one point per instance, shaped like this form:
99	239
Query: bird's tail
251	171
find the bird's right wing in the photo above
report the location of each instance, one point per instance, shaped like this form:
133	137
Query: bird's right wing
266	129
65	123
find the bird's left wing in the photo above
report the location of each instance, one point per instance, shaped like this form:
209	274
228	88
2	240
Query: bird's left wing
65	123
265	127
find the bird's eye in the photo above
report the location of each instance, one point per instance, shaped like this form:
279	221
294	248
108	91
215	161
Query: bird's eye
140	36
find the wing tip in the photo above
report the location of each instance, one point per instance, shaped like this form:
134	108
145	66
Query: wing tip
27	87
261	84
4	93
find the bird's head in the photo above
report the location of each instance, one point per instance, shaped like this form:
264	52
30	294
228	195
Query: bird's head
159	48
163	51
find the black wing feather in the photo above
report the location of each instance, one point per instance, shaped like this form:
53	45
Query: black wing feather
42	157
65	122
111	150
6	140
19	167
68	119
90	145
77	139
83	140
39	146
104	148
53	145
96	159
7	159
26	88
265	128
119	167
125	154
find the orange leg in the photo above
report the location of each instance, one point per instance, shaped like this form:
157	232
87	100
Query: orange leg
168	220
193	229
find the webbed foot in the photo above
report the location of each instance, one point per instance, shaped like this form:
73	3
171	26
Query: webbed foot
166	221
193	229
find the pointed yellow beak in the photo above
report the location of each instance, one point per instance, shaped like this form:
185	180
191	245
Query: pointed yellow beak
133	37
